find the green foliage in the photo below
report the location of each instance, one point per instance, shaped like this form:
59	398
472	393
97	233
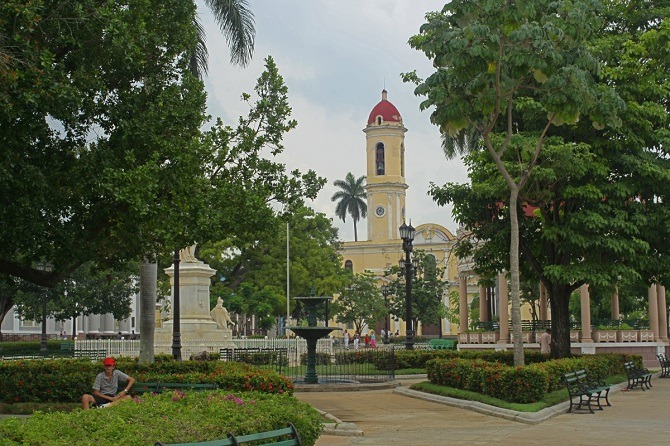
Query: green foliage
249	279
97	128
519	384
65	380
193	416
89	290
428	288
360	302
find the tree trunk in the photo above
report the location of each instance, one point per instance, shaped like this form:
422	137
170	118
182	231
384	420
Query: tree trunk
355	231
148	285
514	273
559	301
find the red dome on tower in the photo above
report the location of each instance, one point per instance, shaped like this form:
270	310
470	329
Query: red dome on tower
386	110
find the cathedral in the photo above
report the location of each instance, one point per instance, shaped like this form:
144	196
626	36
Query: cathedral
385	190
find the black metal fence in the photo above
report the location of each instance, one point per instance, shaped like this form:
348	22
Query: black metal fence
365	365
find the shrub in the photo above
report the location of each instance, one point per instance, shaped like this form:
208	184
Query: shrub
518	384
65	380
322	358
169	417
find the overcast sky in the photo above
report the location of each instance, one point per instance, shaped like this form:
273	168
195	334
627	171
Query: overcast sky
335	58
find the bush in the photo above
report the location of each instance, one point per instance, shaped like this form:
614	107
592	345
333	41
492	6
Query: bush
170	417
322	358
519	384
65	380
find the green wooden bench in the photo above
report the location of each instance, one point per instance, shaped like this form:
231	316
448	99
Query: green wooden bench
442	344
637	376
588	390
160	387
287	436
90	353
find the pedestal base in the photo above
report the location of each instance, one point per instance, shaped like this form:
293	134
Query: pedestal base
197	336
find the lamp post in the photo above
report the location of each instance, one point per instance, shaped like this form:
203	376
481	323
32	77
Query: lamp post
46	267
386	290
407	236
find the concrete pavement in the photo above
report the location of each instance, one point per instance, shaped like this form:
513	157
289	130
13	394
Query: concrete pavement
395	416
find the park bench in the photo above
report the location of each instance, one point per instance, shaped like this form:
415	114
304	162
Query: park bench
160	387
442	344
287	436
637	376
589	390
90	353
665	365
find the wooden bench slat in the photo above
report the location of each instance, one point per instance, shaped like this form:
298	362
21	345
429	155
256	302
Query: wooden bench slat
273	436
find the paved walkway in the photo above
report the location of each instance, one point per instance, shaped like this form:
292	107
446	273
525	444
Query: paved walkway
388	417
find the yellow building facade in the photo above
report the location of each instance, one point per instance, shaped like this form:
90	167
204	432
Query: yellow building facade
385	189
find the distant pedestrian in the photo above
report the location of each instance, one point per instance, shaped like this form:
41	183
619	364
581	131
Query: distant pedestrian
373	339
545	342
346	340
357	340
366	340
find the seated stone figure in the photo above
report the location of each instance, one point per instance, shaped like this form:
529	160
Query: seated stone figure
220	315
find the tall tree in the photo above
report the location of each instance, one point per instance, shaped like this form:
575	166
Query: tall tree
351	199
315	265
428	286
494	58
237	24
98	131
360	302
90	290
597	212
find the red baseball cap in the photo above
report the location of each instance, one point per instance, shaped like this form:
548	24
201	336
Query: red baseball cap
108	361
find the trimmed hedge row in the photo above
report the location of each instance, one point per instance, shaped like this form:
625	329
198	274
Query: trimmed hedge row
526	384
65	380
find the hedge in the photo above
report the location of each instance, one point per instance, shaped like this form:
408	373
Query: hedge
519	384
65	380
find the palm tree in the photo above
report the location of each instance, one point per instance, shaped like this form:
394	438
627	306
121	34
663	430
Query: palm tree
351	199
237	25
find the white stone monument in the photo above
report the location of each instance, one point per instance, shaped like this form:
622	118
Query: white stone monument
199	331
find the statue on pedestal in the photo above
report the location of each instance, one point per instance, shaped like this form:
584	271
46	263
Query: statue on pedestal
220	315
187	254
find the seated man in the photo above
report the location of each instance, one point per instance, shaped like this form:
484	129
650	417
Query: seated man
106	384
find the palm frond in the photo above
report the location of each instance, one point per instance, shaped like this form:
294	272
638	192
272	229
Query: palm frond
236	22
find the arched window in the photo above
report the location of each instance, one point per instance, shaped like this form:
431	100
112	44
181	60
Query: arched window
379	120
349	265
379	159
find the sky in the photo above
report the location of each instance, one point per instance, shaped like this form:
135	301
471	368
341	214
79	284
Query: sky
335	58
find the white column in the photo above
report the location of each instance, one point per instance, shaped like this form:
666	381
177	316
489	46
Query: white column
662	313
653	310
585	301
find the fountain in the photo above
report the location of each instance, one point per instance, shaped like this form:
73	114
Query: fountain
312	333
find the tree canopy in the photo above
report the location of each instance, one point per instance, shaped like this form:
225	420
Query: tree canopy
592	210
255	271
99	127
494	62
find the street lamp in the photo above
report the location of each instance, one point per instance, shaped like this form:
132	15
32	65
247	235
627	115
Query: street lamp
386	290
46	267
407	236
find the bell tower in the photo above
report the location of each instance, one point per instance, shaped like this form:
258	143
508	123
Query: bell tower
385	180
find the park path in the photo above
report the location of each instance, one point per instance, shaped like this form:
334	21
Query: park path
388	418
